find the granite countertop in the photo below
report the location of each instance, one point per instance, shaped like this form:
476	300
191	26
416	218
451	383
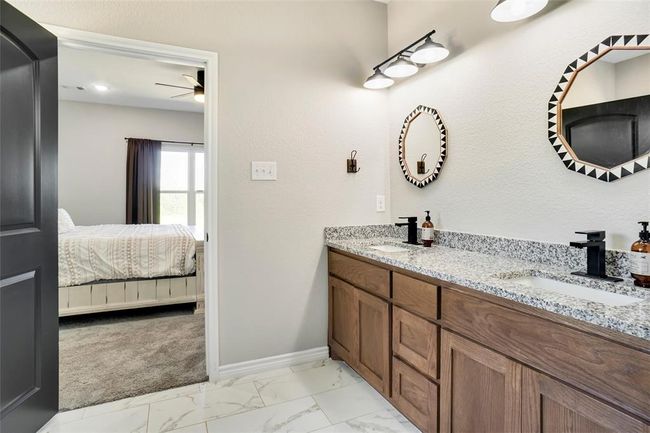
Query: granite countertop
493	274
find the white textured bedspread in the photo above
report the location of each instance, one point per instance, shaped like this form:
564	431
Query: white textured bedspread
124	251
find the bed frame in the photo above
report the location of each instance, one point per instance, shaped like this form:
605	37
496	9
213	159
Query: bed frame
123	295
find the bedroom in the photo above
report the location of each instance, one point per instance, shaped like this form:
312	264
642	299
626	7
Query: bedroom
131	188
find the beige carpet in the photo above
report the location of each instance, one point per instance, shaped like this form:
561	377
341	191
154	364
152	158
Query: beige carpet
112	356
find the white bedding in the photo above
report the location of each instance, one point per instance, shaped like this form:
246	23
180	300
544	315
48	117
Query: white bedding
124	251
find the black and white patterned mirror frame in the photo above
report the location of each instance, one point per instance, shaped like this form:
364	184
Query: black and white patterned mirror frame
402	145
559	143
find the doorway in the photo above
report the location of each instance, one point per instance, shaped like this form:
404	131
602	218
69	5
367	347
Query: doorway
201	200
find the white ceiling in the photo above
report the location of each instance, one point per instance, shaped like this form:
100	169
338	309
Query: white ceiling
130	80
617	56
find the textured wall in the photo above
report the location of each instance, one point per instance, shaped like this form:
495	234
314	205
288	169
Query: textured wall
289	90
502	177
92	154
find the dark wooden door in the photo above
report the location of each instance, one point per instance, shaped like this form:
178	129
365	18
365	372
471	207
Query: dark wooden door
28	223
342	328
549	406
374	341
480	389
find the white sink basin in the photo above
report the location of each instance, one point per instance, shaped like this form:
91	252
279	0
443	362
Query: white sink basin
389	248
577	291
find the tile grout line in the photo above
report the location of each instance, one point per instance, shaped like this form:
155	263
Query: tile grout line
148	415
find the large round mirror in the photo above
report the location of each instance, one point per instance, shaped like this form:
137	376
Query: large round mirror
422	146
599	115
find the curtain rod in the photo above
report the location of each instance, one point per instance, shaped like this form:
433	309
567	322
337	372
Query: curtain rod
191	143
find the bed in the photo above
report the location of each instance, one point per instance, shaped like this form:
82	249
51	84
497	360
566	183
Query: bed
123	266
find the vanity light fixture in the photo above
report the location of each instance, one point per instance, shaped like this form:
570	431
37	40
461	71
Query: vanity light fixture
514	10
406	62
378	81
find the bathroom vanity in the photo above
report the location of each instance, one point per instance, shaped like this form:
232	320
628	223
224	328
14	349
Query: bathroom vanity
458	342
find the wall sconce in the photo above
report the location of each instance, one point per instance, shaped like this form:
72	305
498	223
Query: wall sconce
352	163
407	62
422	168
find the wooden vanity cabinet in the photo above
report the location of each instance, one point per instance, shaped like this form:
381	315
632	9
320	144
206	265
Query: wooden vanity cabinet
452	359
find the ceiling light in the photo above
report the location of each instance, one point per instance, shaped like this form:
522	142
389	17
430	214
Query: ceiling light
400	68
378	81
100	87
515	10
429	52
199	95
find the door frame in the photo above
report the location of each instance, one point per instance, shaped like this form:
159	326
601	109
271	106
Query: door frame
190	57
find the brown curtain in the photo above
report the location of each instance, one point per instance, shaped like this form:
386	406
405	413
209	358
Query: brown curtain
143	181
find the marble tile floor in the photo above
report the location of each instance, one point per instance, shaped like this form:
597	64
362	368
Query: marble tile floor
325	397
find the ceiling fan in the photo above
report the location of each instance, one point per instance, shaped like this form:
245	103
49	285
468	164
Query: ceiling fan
197	88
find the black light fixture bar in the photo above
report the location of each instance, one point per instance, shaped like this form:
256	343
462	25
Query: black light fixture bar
405	50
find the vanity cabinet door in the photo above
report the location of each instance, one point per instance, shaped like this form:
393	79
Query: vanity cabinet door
480	389
342	329
373	362
549	406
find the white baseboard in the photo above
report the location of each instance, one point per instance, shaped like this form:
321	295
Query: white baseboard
272	362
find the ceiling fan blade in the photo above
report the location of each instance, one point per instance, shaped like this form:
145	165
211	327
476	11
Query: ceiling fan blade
182	94
192	80
171	85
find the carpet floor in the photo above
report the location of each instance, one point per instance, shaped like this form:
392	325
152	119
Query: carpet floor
107	357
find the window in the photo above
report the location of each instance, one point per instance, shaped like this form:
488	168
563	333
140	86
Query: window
181	185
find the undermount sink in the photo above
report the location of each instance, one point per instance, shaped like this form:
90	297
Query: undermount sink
577	291
388	248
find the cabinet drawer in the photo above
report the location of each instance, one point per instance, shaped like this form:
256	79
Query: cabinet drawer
415	396
416	296
363	275
415	340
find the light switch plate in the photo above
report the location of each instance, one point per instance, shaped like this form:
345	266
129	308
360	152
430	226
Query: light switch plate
264	170
381	203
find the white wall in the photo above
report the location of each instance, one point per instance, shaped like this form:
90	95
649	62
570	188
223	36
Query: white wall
289	90
502	176
92	154
628	84
603	81
593	85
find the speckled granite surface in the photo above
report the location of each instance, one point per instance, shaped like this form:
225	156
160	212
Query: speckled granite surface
543	252
472	267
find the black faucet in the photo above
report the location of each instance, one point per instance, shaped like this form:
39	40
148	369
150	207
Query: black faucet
413	229
595	245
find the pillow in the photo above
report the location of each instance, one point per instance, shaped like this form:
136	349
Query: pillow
65	222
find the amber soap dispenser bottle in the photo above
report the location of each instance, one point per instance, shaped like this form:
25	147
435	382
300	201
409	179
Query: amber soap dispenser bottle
640	258
427	231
